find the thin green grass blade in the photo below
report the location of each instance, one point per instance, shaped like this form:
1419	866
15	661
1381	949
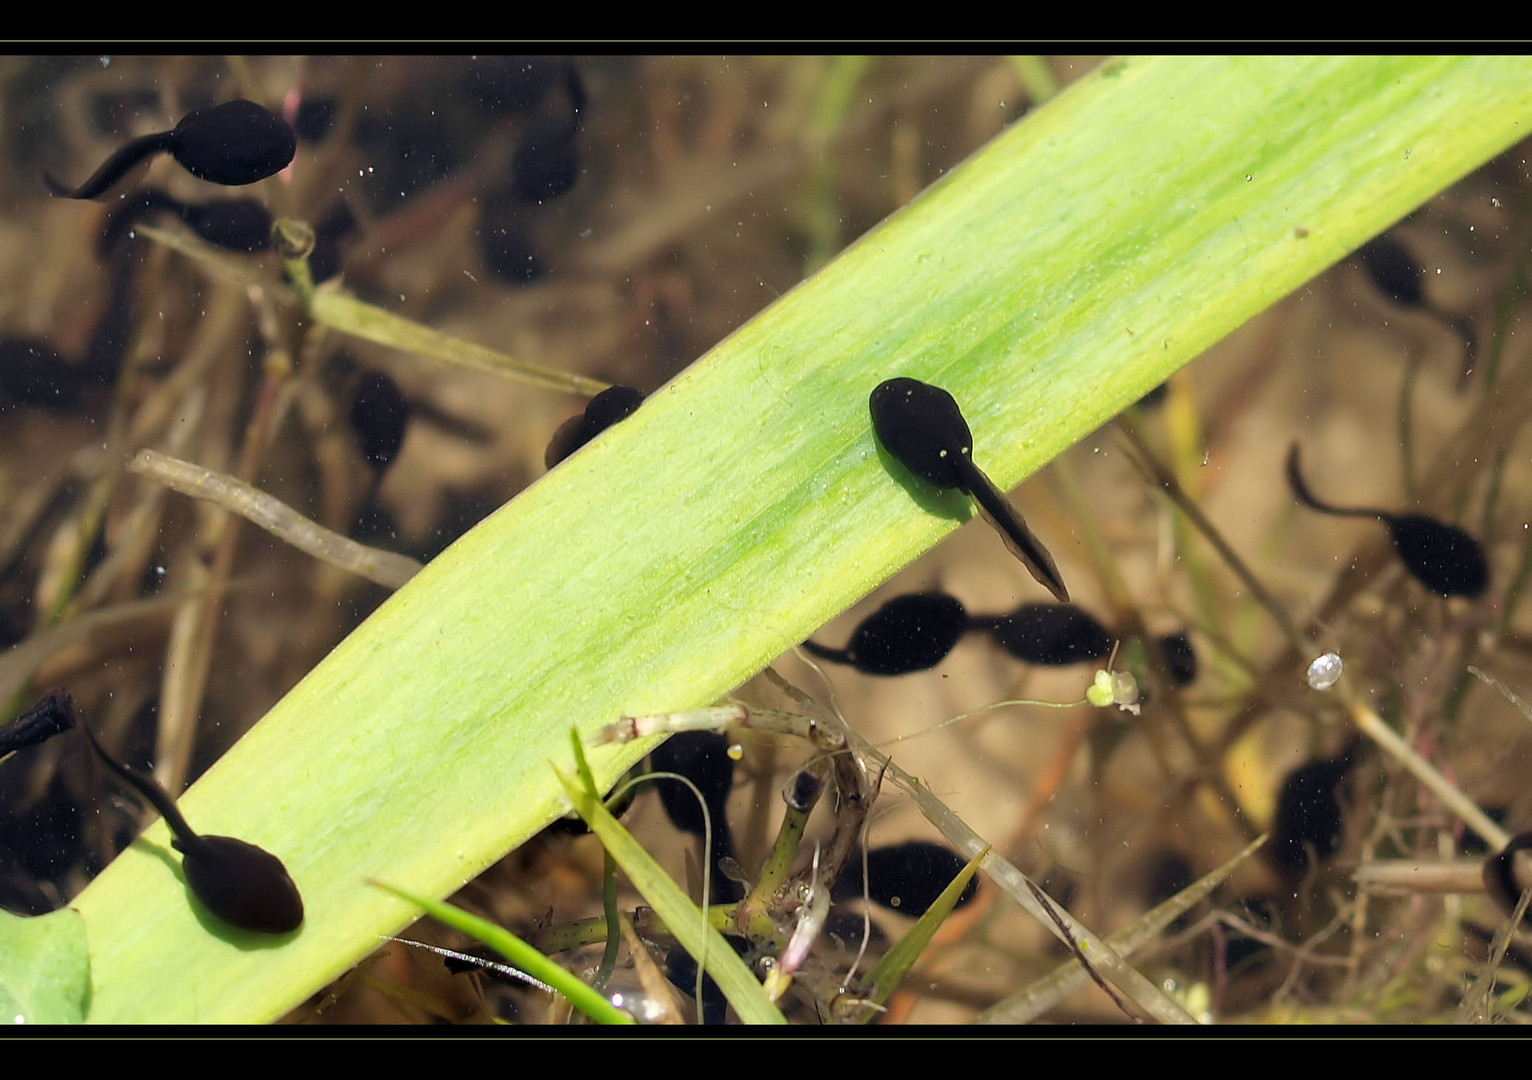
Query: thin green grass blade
45	976
1054	277
682	917
1028	1004
521	955
889	972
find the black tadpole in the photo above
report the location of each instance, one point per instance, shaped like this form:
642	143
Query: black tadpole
1055	635
605	409
236	143
1398	276
922	427
1509	873
242	225
1308	814
905	877
703	758
909	633
245	886
1443	558
380	416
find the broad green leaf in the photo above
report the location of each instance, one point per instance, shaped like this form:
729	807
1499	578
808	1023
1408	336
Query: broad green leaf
1057	275
45	976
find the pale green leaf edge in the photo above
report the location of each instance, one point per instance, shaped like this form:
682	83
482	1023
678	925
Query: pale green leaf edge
1057	275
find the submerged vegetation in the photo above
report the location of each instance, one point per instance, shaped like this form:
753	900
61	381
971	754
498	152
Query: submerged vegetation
573	286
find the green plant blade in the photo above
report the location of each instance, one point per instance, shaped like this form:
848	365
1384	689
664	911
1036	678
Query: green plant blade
46	974
523	956
682	917
1054	277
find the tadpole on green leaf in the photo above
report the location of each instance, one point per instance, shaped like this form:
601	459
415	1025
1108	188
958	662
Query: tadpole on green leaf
605	409
1443	558
922	428
243	885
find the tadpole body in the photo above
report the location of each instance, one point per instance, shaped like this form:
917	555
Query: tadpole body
242	225
922	427
905	877
243	885
1180	657
380	416
908	633
1051	634
1443	558
703	758
1398	276
1308	814
1509	873
605	409
547	159
235	143
34	373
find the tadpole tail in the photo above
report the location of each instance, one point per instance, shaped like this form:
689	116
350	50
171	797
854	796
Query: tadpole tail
1302	493
134	209
824	652
1023	543
146	786
114	168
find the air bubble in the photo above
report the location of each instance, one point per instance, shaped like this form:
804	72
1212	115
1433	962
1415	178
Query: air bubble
1325	672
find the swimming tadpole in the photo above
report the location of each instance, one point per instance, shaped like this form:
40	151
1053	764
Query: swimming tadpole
908	633
1442	557
922	428
1054	635
236	143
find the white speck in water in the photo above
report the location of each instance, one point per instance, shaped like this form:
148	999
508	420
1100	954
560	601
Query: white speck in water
1325	672
106	62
